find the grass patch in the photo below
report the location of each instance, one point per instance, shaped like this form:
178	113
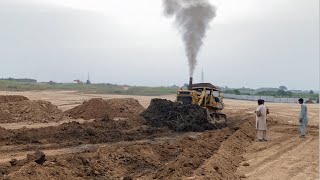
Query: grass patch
7	85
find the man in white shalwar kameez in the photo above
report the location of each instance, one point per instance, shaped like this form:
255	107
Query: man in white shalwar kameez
261	121
303	118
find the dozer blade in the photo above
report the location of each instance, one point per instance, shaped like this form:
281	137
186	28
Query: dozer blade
217	118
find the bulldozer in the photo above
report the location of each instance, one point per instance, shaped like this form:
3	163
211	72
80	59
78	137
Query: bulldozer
207	96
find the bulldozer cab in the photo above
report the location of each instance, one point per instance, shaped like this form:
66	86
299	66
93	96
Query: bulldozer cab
202	94
207	96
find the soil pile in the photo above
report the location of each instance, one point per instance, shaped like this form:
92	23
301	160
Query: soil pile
125	107
29	111
12	98
74	133
208	155
309	102
92	109
35	171
4	115
98	108
176	116
225	162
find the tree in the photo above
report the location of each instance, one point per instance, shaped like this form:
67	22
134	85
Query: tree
311	92
283	88
237	92
281	92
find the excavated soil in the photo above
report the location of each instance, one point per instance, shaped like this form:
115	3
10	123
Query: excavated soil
309	102
4	116
176	116
114	108
209	155
74	133
158	144
29	111
12	98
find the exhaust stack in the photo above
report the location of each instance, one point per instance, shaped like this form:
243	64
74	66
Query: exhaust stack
190	83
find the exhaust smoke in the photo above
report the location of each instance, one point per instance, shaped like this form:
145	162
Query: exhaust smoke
192	18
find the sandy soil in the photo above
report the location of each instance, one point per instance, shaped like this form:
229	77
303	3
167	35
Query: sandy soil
286	113
284	156
68	99
283	113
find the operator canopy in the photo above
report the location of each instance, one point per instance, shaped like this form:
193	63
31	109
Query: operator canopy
208	86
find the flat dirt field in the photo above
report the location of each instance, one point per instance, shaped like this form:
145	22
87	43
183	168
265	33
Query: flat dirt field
67	135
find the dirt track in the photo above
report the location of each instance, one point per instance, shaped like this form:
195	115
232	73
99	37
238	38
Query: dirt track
285	156
160	152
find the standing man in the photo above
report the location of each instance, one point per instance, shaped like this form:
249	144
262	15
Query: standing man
261	121
268	112
303	118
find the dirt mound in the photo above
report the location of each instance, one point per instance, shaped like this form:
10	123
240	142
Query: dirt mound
208	155
176	116
35	171
74	133
92	109
225	162
29	111
309	102
125	107
12	98
4	116
99	108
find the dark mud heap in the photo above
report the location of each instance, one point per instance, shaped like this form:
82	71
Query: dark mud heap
176	116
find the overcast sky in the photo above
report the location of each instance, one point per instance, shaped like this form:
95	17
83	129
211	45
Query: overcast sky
251	43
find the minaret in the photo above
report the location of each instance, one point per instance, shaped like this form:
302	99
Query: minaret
202	76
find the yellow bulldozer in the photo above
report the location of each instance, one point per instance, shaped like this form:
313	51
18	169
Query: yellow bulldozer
207	96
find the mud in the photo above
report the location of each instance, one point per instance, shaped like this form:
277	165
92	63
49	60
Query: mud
134	148
12	98
209	155
309	102
5	116
29	111
114	108
225	162
176	116
74	133
159	144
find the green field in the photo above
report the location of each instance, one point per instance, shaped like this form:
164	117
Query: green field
6	85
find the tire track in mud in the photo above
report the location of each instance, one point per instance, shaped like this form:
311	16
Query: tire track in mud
278	156
284	156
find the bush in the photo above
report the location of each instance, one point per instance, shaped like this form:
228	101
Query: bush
12	87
